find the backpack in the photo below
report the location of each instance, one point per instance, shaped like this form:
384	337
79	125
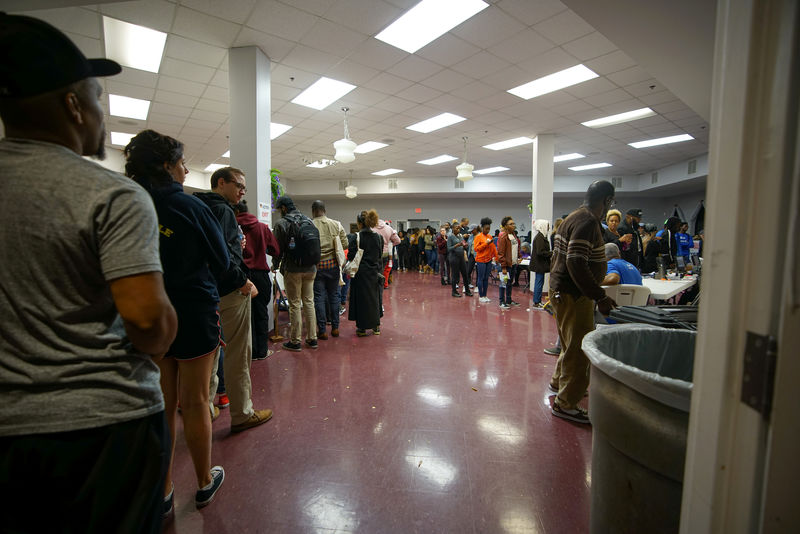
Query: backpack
303	240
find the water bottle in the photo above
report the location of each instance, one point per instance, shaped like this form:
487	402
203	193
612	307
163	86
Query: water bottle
291	243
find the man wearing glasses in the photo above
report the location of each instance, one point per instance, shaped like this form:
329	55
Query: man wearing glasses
228	187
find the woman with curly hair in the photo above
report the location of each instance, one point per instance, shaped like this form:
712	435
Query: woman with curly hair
192	252
365	287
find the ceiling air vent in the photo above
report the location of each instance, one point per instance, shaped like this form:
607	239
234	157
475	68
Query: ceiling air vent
616	181
693	166
654	178
343	184
391	183
459	184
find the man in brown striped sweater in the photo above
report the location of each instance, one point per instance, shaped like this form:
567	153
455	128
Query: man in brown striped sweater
577	269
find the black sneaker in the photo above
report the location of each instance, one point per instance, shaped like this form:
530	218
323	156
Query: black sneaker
376	331
265	356
294	347
513	303
468	293
205	495
456	294
312	343
577	415
552	351
342	309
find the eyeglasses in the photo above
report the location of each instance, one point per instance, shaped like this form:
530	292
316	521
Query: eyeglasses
241	186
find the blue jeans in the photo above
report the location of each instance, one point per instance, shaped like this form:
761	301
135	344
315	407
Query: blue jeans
432	257
483	277
505	292
326	293
538	285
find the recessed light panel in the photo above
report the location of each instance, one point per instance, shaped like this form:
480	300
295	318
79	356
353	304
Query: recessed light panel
620	118
387	172
132	108
369	146
323	93
277	129
662	141
490	170
437	160
567	157
434	123
502	145
592	166
213	167
321	164
133	45
427	21
121	139
554	82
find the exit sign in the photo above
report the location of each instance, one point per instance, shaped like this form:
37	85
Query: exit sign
418	210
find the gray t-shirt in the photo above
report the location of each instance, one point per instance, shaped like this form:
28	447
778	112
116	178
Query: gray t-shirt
69	227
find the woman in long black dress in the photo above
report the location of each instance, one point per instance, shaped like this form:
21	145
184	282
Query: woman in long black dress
366	285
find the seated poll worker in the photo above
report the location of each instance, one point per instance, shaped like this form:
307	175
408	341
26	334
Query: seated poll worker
619	271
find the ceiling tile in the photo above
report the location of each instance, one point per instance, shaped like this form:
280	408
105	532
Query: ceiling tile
210	116
447	50
415	68
487	28
310	59
474	91
199	26
499	100
608	98
531	11
680	114
351	72
90	47
613	62
176	85
628	76
447	80
647	87
216	93
480	65
326	35
124	89
155	14
388	83
504	79
522	46
220	79
564	27
178	99
279	19
361	98
366	17
186	70
657	98
232	11
589	46
213	105
163	111
194	51
395	104
590	87
75	20
275	48
137	77
550	62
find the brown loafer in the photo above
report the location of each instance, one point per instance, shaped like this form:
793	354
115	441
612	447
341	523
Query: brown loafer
335	332
259	417
322	335
214	414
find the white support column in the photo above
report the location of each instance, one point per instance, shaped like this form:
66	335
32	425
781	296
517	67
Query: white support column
542	186
249	93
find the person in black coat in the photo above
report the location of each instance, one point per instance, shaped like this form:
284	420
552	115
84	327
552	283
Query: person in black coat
366	285
630	226
540	259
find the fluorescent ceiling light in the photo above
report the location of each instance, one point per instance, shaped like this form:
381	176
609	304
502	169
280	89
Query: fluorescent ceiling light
437	160
323	93
213	167
554	82
427	21
387	172
510	143
567	157
434	123
369	146
226	154
121	139
321	163
277	129
592	166
491	170
661	141
133	108
620	117
132	45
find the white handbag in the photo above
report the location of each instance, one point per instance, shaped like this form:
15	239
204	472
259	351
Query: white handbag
351	267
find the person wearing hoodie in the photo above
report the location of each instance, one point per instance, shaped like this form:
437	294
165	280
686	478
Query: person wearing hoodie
540	258
258	242
228	186
390	240
456	254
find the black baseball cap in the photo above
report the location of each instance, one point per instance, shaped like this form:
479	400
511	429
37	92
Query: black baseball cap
38	58
636	212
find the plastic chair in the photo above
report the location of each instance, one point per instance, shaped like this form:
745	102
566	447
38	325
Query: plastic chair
628	294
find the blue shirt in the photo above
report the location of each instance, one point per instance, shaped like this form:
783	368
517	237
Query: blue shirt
628	273
685	242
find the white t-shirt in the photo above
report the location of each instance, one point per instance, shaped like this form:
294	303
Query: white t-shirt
514	249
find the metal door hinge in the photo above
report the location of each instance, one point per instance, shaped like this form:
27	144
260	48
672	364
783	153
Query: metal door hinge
758	378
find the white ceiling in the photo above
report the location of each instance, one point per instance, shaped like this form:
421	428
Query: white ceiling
466	71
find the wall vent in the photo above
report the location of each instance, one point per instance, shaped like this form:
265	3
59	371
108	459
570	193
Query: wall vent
391	183
693	166
343	184
459	184
616	181
654	178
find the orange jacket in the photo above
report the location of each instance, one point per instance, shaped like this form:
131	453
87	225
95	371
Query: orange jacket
484	248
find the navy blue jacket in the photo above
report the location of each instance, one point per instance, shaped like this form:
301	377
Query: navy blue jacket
236	275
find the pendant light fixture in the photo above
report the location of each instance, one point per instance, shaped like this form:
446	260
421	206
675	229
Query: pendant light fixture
351	191
465	169
345	146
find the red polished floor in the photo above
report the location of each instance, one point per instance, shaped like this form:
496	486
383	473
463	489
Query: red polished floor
440	424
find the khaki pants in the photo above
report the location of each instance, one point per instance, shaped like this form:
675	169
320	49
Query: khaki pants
300	289
575	319
234	314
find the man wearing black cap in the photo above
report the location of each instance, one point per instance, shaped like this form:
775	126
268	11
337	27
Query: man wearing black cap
84	309
634	253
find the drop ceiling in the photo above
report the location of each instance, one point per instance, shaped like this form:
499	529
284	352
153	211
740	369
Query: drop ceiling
467	71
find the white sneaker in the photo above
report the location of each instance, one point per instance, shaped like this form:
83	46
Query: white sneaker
485	299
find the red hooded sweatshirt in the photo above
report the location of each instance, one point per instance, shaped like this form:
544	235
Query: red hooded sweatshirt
259	242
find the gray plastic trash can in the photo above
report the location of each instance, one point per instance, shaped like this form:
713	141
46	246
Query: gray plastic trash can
641	384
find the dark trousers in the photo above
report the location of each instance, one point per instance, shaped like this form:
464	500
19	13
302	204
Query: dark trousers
505	292
105	479
470	268
259	314
413	257
402	258
458	266
483	278
343	290
326	294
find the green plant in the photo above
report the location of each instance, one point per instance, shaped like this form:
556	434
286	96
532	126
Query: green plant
276	186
